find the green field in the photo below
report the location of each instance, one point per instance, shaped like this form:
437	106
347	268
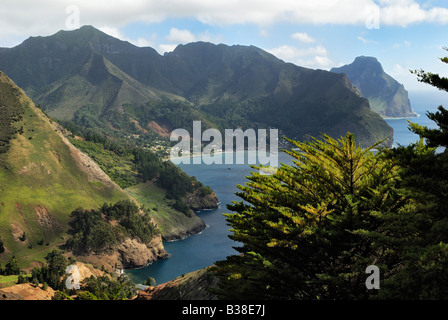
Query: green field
7	281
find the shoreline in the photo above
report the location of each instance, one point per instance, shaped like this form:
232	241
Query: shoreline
192	155
417	115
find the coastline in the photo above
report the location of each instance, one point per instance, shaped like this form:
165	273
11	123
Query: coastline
180	160
417	115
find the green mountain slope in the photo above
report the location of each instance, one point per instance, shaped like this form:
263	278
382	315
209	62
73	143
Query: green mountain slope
387	96
43	178
225	86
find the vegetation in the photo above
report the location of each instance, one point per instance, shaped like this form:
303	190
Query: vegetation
170	221
194	82
107	287
11	111
425	164
93	232
53	274
115	161
11	267
130	166
42	180
310	230
170	113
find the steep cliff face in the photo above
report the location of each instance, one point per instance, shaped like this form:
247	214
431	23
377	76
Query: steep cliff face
130	254
26	291
199	202
386	96
196	285
43	179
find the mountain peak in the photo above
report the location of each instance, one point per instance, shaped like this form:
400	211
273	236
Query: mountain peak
84	35
386	95
366	58
231	83
365	64
86	30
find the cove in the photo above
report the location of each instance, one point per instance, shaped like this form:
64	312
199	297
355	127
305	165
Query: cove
213	244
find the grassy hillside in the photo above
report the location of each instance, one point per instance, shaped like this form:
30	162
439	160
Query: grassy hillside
161	187
42	180
172	223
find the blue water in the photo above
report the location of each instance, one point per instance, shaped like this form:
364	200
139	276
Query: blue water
213	243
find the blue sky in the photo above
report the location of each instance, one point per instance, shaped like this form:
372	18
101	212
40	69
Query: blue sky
402	34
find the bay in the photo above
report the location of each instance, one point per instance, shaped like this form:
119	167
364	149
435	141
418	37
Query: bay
213	244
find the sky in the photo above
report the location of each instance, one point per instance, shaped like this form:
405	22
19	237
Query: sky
402	34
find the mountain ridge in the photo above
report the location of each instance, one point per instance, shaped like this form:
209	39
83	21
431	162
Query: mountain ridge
247	86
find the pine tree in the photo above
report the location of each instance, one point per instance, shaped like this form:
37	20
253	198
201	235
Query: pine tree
434	137
308	231
12	266
424	264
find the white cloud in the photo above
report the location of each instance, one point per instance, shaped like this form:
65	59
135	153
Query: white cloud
313	57
264	33
48	16
405	12
180	36
404	76
407	44
149	41
145	42
114	32
177	36
162	48
366	41
20	19
303	37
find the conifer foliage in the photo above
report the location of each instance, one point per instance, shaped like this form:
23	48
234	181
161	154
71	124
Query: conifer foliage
424	268
310	230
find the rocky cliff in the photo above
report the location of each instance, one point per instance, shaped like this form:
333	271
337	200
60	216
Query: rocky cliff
130	254
196	285
386	96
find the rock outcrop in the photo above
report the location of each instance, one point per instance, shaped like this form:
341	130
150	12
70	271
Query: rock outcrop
130	254
195	285
386	96
198	202
26	291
